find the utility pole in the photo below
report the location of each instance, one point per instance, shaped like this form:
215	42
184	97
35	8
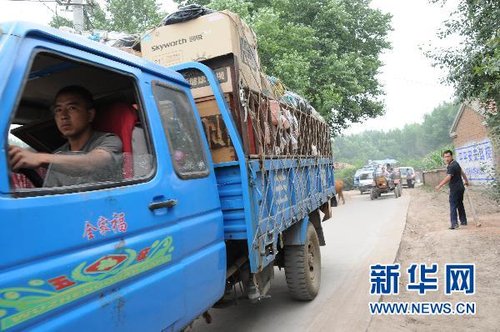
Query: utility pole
78	15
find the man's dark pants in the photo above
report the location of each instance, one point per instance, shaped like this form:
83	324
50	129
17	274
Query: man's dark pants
457	204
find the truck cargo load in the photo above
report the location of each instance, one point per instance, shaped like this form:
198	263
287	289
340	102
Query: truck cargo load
272	121
207	37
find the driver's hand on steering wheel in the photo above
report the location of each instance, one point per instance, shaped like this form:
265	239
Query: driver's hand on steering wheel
23	158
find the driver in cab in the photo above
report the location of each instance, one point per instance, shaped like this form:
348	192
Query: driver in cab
88	156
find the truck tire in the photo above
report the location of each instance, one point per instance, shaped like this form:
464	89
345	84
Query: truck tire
303	267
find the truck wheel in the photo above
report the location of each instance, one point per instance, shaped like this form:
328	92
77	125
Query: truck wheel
303	267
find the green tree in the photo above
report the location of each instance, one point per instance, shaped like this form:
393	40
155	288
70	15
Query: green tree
436	126
408	145
474	66
131	16
326	50
59	21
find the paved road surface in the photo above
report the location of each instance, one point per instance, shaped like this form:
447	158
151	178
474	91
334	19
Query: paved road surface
362	232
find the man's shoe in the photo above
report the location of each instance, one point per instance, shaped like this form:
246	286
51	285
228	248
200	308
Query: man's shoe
463	223
454	227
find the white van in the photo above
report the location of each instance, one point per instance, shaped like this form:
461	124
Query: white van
408	176
365	181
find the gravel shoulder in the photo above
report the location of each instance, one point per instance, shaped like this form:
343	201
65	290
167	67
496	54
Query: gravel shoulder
427	239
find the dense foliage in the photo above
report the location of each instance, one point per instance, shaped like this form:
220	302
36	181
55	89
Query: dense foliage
410	144
326	50
473	66
131	16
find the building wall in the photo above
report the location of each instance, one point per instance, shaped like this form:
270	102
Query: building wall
470	128
474	149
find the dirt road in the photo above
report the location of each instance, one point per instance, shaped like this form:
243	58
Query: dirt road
428	240
362	232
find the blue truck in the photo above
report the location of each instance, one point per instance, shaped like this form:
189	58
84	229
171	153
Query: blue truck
177	232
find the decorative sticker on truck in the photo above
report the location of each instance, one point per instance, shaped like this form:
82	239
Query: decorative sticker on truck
117	224
38	296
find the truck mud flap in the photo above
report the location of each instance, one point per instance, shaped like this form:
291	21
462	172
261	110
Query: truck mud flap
315	219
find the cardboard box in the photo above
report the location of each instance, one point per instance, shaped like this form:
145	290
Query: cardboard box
131	51
205	38
220	144
199	82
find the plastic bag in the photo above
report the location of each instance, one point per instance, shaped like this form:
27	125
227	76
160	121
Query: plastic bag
186	13
275	111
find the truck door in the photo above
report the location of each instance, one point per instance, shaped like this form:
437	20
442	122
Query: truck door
142	251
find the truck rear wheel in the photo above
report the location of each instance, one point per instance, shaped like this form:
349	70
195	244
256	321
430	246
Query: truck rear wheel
303	267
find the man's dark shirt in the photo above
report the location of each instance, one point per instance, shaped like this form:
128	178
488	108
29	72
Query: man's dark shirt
455	171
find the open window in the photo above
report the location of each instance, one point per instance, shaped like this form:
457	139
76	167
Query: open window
118	117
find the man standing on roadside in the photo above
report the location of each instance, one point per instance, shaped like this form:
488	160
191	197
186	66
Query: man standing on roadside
454	176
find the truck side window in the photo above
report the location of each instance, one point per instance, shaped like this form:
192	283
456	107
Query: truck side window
77	127
179	124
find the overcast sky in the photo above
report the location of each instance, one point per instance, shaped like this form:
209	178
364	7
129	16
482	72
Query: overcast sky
411	84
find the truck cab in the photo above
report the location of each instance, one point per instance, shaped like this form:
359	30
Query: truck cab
101	249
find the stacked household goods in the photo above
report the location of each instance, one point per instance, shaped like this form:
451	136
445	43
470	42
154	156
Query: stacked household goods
126	42
123	41
271	122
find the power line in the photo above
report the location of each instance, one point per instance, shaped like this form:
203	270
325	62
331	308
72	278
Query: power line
86	13
43	3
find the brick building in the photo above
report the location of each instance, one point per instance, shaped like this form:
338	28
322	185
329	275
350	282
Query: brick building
474	149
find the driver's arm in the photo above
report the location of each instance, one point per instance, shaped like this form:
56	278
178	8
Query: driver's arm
72	164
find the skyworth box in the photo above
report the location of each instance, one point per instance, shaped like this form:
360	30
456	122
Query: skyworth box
208	37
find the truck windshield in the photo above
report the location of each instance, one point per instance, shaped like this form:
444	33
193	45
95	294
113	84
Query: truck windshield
406	171
365	176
